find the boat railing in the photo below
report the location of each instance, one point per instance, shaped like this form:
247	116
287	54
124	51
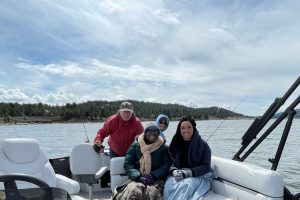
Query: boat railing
260	122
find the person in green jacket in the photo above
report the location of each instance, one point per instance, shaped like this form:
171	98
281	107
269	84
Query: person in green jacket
146	164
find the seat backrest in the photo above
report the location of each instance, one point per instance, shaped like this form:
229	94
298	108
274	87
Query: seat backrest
84	160
238	180
24	155
117	172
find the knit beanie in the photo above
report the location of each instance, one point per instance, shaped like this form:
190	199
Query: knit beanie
152	127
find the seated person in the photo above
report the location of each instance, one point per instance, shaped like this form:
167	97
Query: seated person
191	175
147	165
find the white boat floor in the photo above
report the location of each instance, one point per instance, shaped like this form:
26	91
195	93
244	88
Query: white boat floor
97	195
107	195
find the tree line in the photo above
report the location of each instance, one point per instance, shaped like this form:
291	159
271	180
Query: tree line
100	110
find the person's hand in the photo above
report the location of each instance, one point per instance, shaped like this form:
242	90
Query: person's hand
177	174
187	172
182	173
150	179
98	147
172	168
147	179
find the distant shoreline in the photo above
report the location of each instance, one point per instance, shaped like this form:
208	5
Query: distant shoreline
50	120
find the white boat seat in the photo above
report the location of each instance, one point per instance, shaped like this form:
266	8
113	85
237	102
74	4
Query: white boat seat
86	165
42	191
235	180
24	156
239	180
117	172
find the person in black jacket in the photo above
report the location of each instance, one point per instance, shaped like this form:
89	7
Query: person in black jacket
191	174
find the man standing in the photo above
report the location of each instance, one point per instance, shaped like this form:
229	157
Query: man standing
122	128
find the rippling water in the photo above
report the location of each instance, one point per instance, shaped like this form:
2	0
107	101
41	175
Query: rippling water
224	140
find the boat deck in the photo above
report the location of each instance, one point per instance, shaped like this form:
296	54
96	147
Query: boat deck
98	195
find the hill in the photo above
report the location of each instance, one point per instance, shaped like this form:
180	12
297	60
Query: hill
100	110
297	115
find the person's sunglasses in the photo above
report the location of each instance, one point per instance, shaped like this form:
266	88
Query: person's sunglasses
163	122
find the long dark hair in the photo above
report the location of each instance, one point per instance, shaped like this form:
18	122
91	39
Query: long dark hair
183	119
177	138
199	153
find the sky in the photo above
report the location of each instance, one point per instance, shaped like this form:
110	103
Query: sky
239	55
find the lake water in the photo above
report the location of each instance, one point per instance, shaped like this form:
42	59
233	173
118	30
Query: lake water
224	139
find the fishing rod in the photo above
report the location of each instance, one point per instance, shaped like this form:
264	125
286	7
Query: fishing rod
210	124
87	140
13	124
223	120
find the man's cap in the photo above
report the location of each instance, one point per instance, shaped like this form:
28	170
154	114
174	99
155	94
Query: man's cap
126	106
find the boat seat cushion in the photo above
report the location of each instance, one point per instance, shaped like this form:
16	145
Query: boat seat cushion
214	196
239	180
261	180
117	167
117	173
20	151
24	156
84	160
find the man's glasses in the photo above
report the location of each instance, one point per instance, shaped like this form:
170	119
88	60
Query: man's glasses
163	122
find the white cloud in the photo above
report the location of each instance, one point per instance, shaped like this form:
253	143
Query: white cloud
196	54
167	16
13	95
111	7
